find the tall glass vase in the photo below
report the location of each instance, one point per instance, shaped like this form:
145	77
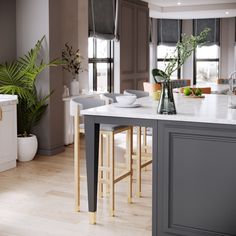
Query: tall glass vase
166	104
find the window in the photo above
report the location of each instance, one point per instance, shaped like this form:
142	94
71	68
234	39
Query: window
100	53
166	52
206	64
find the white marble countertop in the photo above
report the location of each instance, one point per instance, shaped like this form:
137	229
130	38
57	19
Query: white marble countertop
211	109
6	100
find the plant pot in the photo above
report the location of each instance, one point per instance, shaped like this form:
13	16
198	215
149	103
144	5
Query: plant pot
166	105
27	147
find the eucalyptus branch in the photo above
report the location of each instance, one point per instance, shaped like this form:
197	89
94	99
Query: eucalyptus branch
184	50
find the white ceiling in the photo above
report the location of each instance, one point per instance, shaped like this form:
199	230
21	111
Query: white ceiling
190	9
172	3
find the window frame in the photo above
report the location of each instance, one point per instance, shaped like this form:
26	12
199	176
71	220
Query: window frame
109	60
168	59
195	60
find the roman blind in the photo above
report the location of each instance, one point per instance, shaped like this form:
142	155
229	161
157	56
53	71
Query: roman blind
103	18
214	34
169	31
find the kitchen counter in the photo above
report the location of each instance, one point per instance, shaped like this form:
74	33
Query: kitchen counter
194	163
6	100
8	132
211	109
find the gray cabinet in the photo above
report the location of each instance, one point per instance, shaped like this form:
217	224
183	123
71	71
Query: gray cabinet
134	44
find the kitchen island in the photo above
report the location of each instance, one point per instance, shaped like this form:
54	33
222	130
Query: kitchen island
194	163
8	132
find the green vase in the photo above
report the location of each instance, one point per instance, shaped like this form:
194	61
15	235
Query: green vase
166	105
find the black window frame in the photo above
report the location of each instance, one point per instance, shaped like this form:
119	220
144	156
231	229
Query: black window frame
195	60
109	60
169	59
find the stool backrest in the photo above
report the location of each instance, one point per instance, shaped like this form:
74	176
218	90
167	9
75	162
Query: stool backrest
110	97
138	93
83	103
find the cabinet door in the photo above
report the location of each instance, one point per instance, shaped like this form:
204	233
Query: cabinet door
134	45
127	47
8	135
142	40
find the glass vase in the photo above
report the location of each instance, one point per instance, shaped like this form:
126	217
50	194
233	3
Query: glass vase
166	105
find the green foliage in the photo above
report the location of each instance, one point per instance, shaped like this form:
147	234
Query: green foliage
183	51
18	78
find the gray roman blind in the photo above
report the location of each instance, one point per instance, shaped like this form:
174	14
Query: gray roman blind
168	31
103	18
214	24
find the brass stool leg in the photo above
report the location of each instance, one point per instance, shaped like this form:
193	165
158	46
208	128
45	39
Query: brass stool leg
112	175
108	165
129	148
77	161
139	162
101	164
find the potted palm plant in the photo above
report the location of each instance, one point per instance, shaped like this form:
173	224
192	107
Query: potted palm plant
19	78
183	51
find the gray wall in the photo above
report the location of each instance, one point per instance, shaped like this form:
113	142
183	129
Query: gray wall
8	30
35	19
227	58
23	22
83	41
187	69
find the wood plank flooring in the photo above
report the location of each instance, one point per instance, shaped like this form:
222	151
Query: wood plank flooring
36	199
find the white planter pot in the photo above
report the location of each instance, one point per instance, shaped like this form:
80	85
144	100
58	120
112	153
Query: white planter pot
27	147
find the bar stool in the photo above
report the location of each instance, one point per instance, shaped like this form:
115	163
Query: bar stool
143	158
76	105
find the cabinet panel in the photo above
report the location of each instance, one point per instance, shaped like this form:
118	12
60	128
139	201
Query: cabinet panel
139	83
134	44
128	84
142	40
127	50
8	137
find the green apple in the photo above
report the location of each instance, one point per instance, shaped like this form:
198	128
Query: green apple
187	91
198	92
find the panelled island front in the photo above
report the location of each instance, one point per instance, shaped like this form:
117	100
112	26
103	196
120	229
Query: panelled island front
194	163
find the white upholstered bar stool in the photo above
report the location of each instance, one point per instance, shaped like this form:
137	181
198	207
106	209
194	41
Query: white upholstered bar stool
142	155
78	104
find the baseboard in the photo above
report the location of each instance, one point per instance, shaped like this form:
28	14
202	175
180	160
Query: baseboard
7	165
51	152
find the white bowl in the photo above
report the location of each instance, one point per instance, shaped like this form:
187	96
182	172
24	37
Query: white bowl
126	99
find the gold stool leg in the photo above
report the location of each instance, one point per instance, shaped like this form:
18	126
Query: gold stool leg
139	162
129	142
112	175
101	164
77	161
108	165
92	218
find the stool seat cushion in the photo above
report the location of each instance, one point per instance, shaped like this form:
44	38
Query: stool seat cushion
107	127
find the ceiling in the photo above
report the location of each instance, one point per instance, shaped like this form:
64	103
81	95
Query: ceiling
190	9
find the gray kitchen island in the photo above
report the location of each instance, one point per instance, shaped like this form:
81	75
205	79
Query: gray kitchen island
194	163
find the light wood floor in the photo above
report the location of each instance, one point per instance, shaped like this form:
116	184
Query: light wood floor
36	199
